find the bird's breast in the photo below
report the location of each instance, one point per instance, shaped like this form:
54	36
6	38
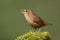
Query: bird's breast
29	18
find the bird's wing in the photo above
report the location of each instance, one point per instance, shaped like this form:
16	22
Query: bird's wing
38	21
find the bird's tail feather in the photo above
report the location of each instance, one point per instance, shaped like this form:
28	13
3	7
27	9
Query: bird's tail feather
46	23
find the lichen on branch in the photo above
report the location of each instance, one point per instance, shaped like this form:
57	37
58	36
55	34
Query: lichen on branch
35	36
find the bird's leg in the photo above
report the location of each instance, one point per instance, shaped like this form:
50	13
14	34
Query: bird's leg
31	30
37	29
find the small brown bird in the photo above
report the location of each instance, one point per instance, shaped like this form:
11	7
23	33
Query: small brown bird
34	20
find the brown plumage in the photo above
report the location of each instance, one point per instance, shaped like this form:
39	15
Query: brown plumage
34	20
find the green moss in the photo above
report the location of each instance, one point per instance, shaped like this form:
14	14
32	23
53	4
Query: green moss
35	36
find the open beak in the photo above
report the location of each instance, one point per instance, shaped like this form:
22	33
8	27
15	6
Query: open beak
21	11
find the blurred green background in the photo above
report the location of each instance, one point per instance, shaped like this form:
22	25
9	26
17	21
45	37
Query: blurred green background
13	23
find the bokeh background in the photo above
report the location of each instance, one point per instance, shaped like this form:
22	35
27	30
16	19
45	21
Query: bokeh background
13	23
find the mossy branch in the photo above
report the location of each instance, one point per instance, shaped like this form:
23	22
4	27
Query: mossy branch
35	36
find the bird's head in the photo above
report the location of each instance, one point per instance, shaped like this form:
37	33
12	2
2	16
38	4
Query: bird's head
26	11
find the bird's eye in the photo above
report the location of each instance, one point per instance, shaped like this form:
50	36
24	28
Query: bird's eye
25	10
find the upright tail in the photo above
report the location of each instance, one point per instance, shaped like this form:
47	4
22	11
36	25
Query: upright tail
46	23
